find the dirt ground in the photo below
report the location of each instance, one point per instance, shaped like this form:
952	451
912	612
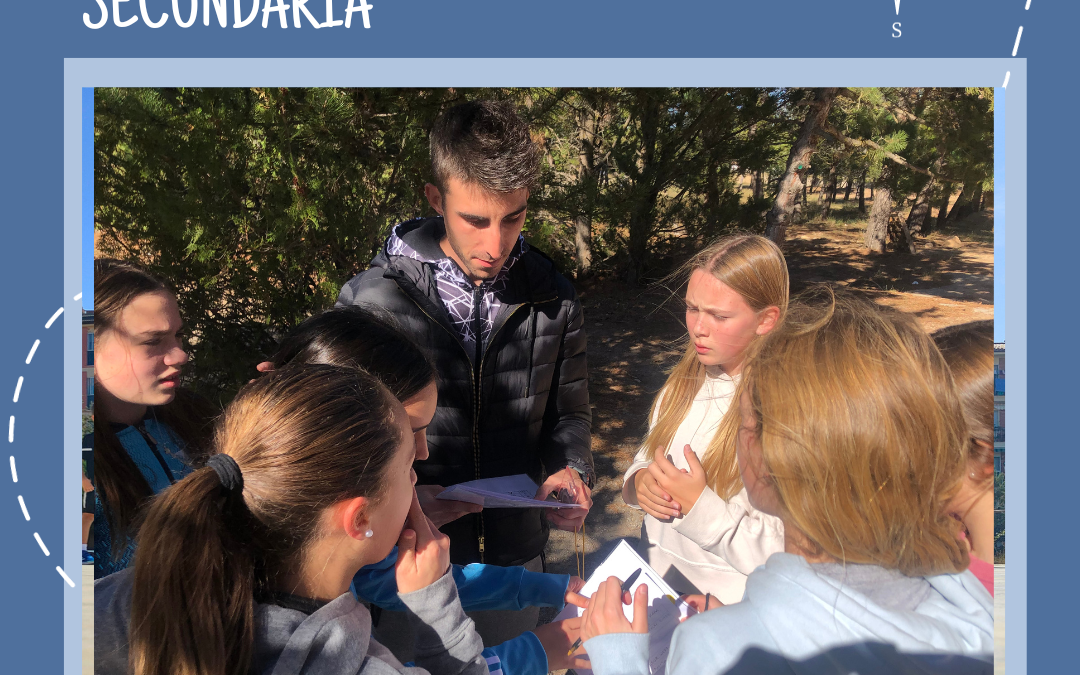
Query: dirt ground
634	336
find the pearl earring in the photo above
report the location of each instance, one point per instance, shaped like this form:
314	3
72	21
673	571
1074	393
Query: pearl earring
369	534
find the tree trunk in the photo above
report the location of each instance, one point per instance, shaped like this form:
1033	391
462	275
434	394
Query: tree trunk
641	218
943	210
877	228
587	184
909	241
847	189
920	208
976	200
862	192
959	208
829	193
712	189
758	184
779	215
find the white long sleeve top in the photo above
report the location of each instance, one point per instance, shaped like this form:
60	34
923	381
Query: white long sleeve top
717	543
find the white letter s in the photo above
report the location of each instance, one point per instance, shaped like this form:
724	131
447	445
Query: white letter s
104	16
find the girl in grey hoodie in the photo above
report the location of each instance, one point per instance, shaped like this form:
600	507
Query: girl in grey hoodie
852	433
245	565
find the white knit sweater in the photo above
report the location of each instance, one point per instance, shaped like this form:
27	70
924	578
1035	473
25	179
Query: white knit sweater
718	543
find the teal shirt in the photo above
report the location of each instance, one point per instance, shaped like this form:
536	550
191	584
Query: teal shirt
160	457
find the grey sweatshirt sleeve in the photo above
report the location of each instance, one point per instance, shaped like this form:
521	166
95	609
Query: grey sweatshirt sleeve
619	654
446	640
112	607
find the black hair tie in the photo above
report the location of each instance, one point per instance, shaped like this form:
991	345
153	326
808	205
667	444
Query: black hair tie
228	472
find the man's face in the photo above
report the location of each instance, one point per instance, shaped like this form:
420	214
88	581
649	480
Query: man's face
481	227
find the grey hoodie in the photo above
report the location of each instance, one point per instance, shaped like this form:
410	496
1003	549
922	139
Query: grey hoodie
335	639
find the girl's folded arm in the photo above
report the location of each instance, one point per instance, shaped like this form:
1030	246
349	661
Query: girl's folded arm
732	529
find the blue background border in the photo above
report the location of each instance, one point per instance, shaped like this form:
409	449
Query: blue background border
42	270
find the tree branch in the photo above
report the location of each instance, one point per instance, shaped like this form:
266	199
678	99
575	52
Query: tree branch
831	132
902	116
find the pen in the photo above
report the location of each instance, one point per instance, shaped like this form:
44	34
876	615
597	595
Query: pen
625	587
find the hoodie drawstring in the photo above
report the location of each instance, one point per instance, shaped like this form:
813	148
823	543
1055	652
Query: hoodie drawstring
532	333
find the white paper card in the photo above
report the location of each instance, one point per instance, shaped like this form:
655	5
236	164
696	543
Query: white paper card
664	616
504	492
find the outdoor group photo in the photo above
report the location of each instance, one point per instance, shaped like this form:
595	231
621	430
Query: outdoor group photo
531	380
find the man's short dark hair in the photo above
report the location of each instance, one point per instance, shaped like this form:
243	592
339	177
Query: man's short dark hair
484	143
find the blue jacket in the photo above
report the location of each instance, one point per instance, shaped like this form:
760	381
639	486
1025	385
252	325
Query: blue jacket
161	467
481	587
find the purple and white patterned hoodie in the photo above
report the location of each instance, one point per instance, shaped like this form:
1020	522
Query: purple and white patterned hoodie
456	290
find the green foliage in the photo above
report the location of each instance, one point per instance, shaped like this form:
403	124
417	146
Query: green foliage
258	204
87	424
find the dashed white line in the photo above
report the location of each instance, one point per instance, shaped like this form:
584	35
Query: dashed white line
14	474
1016	45
18	388
22	505
66	577
1006	82
1028	5
11	432
54	317
77	297
41	543
32	350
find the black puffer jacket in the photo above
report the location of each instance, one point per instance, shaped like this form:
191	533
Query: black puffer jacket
533	415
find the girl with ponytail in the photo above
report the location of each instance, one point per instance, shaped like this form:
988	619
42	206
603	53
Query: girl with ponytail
368	338
851	432
700	531
147	429
244	565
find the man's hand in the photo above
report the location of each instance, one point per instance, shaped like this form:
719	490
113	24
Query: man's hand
604	614
556	638
442	511
423	552
652	498
684	487
569	519
87	486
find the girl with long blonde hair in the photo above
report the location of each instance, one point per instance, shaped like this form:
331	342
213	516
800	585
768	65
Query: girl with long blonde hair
700	531
852	433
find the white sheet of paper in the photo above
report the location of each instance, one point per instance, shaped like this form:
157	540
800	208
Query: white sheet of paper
504	492
664	616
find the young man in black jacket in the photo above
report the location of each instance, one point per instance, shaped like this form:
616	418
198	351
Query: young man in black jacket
505	330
